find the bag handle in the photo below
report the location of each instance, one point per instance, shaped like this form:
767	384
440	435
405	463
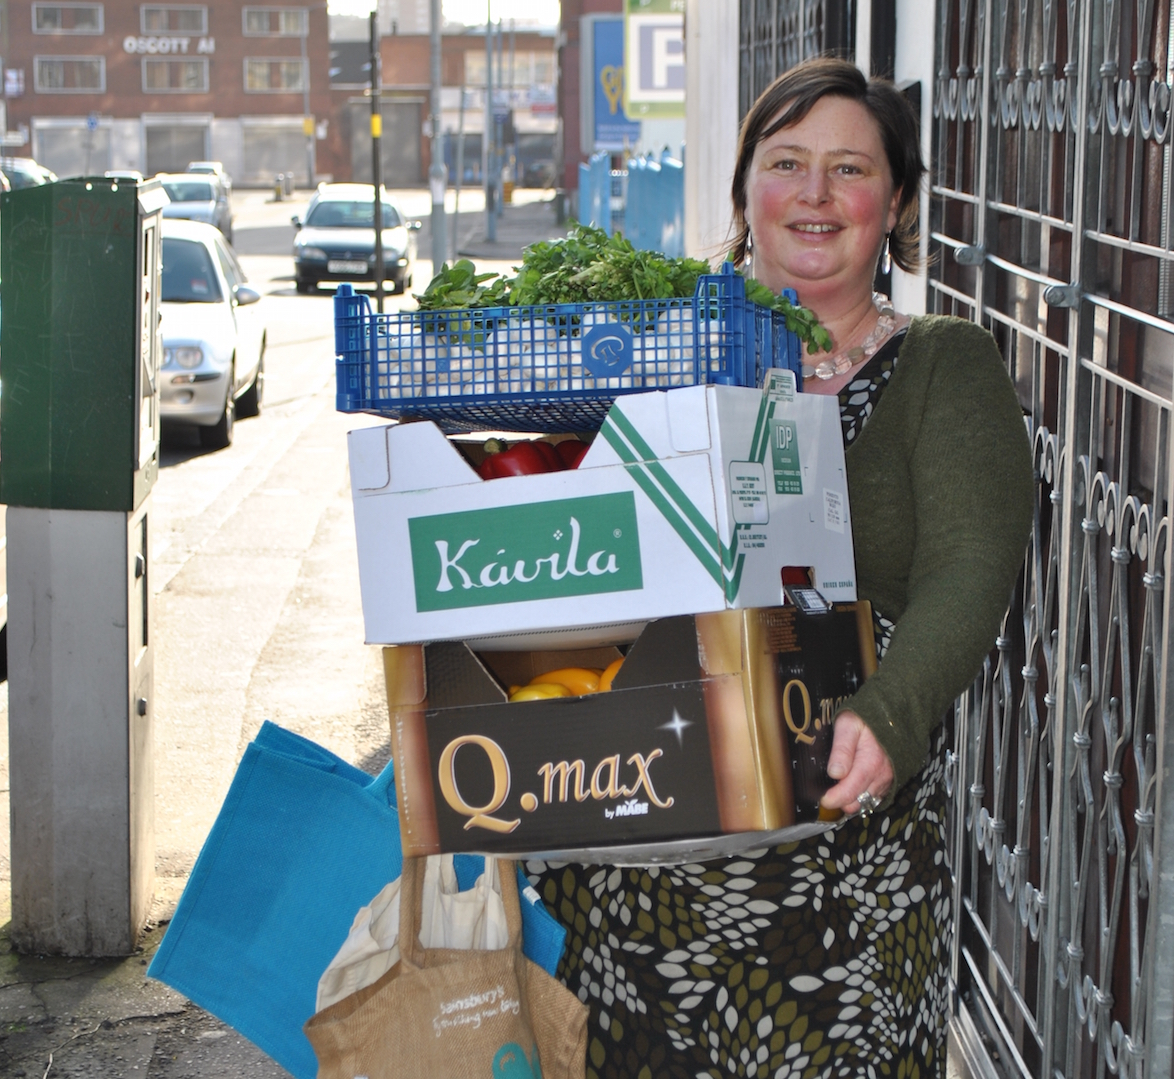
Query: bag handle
382	786
412	901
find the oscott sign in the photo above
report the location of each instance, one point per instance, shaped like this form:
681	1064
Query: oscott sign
166	45
688	500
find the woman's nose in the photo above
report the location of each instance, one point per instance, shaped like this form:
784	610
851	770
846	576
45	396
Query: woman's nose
816	188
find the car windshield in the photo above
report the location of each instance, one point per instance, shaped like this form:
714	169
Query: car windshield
189	191
20	177
351	215
188	274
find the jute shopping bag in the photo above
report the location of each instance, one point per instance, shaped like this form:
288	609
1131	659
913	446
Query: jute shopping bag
451	1014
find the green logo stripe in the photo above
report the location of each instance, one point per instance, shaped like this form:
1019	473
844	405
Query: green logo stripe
705	556
766	410
667	496
682	501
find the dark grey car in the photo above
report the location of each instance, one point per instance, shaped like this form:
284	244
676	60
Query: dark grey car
336	241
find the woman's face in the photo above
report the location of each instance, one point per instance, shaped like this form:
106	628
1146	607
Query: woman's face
819	202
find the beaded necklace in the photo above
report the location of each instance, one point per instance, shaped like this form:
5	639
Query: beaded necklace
843	362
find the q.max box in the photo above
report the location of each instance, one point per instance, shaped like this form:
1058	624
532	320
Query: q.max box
715	723
688	500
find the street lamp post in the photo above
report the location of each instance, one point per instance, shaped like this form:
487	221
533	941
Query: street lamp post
307	118
438	171
377	158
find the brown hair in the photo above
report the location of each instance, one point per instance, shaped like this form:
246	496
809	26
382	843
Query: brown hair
791	97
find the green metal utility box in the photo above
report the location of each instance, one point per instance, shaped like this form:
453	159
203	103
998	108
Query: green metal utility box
80	351
79	343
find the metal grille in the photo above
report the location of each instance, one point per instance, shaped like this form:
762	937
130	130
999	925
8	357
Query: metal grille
777	34
1051	226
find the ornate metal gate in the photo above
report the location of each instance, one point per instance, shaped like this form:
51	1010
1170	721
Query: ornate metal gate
1052	225
776	34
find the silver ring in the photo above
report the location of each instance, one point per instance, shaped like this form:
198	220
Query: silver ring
867	804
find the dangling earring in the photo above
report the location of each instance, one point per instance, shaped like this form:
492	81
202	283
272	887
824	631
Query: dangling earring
886	258
748	258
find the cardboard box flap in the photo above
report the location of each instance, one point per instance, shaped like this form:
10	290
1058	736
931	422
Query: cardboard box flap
688	413
457	678
405	457
664	654
403	671
369	459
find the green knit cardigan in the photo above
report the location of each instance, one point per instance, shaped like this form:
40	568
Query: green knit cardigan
941	494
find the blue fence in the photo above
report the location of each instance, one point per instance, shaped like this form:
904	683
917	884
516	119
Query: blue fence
654	217
595	192
646	201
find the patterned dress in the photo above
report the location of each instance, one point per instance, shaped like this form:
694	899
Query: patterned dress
822	958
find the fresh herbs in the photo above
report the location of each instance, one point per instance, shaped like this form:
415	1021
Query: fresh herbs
591	266
801	321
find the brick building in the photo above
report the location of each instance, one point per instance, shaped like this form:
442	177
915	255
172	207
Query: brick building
525	77
121	85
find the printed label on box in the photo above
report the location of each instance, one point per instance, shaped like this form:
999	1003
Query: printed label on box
780	384
537	550
748	493
833	511
784	447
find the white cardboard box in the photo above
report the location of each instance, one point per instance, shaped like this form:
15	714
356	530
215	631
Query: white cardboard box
689	500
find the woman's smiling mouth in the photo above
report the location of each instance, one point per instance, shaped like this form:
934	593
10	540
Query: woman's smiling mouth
815	228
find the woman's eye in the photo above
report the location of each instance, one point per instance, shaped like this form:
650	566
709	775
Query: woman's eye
785	165
848	170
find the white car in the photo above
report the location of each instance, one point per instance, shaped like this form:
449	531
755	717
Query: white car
213	334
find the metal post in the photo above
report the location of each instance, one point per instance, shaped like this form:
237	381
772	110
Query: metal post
307	119
498	149
456	209
487	147
377	159
438	171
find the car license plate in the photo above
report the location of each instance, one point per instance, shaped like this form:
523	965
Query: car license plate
346	266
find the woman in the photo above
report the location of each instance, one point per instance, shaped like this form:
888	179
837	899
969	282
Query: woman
828	957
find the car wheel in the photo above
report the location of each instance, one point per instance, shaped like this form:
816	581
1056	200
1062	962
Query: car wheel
219	435
305	287
249	402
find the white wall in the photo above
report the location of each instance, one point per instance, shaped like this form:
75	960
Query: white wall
914	62
711	123
126	144
228	146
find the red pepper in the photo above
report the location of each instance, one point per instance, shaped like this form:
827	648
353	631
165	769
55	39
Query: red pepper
550	455
521	459
572	451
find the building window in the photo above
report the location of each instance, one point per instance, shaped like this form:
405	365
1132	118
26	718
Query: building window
528	69
67	18
275	21
69	74
174	19
275	76
175	76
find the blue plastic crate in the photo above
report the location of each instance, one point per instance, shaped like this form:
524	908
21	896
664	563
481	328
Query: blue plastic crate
551	367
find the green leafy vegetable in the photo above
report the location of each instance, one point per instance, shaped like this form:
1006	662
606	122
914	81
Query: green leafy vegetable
460	285
589	266
801	321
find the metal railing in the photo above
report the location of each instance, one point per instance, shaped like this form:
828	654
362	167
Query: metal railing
1051	224
776	34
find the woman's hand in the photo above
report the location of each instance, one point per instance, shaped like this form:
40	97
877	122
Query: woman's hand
858	762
